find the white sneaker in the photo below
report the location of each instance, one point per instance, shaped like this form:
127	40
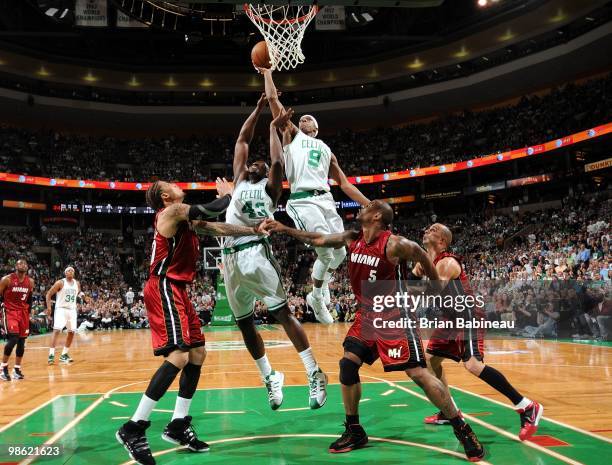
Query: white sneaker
274	384
326	295
317	380
320	310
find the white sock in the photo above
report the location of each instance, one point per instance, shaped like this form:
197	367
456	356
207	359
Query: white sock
309	361
264	366
143	412
317	292
18	367
181	408
2	365
523	404
64	350
52	351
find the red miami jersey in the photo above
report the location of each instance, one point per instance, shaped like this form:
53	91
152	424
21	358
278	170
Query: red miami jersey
369	262
17	294
175	257
460	285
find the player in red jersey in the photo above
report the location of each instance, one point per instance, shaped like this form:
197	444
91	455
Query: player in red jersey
175	326
16	302
467	345
377	270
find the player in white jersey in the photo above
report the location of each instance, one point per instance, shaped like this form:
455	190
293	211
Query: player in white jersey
66	290
309	163
249	267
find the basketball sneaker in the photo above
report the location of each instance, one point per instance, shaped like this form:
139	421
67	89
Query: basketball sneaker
530	418
180	431
439	419
51	359
17	373
354	437
320	310
65	358
274	384
317	380
132	436
326	295
474	451
4	374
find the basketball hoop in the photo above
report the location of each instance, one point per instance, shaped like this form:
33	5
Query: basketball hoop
282	27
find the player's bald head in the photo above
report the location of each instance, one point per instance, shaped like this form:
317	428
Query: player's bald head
445	233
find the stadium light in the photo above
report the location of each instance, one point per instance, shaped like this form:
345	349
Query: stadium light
482	3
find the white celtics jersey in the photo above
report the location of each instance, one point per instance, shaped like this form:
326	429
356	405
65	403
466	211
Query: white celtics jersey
250	205
307	163
67	295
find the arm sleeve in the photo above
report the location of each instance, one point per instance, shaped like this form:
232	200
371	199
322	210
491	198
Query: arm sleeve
210	210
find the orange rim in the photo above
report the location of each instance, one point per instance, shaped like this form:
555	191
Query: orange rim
255	17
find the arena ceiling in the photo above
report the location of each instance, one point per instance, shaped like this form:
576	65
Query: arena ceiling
397	42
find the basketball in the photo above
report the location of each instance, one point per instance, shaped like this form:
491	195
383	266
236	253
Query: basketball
260	56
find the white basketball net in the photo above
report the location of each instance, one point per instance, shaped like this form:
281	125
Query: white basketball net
282	27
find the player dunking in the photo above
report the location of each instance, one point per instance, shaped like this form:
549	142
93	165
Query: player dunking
378	257
175	327
467	345
249	267
16	302
65	314
309	163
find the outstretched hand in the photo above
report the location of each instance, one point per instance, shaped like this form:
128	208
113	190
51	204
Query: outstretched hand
270	225
263	101
224	187
262	70
283	119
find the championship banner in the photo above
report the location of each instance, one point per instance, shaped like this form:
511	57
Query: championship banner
331	18
222	315
124	20
91	13
598	165
487	160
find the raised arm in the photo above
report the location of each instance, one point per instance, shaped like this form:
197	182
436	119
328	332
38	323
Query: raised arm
336	173
272	95
241	149
315	239
169	219
400	248
274	187
51	292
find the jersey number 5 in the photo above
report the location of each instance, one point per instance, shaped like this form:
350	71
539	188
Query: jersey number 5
372	277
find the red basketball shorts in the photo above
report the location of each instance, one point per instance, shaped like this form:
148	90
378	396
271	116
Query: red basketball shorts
173	321
16	323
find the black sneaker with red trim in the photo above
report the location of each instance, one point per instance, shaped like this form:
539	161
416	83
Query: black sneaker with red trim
354	437
474	451
530	418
